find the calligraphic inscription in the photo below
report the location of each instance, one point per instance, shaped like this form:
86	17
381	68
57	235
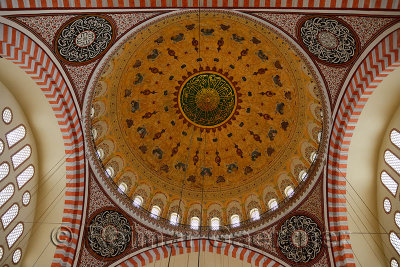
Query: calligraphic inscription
207	99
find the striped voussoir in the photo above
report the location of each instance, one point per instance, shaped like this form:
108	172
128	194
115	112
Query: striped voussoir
21	50
178	248
377	4
382	60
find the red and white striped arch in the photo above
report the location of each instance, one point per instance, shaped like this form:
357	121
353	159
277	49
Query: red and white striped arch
380	61
238	252
22	51
348	4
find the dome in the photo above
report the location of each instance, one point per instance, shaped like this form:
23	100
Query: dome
213	112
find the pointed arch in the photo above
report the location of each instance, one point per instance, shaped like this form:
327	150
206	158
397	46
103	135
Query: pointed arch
29	56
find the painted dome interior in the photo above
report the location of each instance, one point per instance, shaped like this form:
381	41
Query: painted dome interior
207	114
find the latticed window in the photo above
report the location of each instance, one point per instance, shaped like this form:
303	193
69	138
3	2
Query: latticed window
25	176
387	206
389	183
4	170
15	135
395	241
395	138
6	194
9	215
20	157
15	234
392	161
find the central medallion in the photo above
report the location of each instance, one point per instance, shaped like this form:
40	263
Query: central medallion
207	99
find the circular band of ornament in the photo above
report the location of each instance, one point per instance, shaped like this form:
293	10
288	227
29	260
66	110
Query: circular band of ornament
109	234
207	99
328	39
84	39
300	239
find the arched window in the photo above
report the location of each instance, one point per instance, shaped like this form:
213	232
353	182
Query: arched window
303	175
395	241
395	138
195	223
215	224
254	214
319	137
15	135
235	220
273	204
122	187
313	156
9	215
110	171
20	157
392	160
25	176
155	211
174	218
138	201
389	183
14	234
100	153
6	194
387	205
92	111
289	191
94	133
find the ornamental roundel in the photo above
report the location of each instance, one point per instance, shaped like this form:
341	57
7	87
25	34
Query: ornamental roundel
300	239
84	39
109	234
207	99
329	40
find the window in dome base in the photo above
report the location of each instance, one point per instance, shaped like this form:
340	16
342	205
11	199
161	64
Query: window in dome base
255	214
25	176
137	202
215	224
394	263
289	191
195	223
122	187
110	172
235	220
155	212
174	218
7	115
273	204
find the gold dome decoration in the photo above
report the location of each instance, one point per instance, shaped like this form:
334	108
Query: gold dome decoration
209	112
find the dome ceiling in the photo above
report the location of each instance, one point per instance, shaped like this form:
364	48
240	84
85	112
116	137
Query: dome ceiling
210	108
